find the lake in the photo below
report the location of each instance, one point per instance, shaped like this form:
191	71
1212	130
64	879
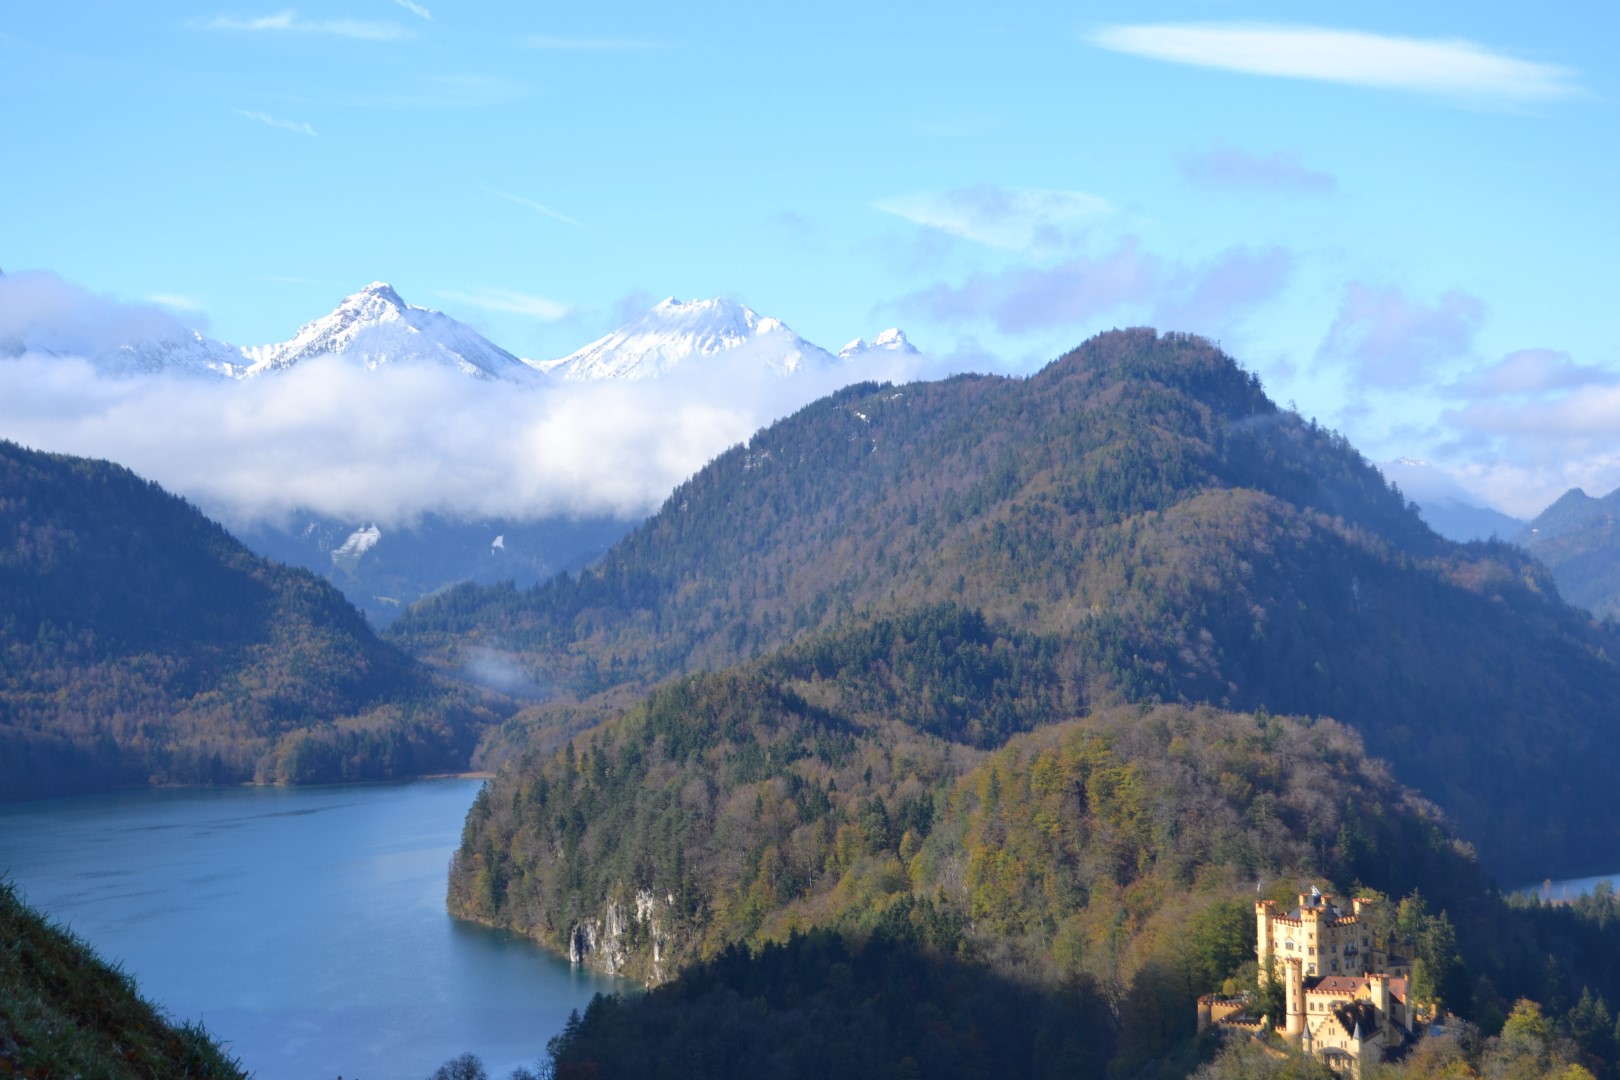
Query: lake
1569	888
305	927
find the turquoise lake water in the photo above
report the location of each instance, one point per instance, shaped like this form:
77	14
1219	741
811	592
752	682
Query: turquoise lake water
305	927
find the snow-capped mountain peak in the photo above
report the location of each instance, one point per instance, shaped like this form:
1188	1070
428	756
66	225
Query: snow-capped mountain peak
675	331
375	326
890	340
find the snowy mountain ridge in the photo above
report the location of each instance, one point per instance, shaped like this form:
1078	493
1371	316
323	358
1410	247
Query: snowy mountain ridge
676	331
376	328
891	340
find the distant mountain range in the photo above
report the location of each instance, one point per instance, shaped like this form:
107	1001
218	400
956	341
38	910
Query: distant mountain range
1445	506
382	570
1578	537
675	332
376	328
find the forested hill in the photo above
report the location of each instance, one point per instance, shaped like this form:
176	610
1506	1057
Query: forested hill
1143	501
983	489
830	871
140	642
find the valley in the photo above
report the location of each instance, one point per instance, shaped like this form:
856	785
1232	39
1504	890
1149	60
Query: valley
1009	689
670	542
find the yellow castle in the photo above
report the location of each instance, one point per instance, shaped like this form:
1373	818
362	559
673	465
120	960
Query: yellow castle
1347	999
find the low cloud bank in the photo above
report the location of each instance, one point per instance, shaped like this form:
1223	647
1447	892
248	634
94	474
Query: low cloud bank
41	312
390	445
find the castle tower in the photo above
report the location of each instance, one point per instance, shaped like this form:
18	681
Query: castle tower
1264	912
1295	1026
1311	911
1378	992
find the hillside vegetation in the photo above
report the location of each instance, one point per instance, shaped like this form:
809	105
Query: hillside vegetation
794	847
140	643
833	779
1141	506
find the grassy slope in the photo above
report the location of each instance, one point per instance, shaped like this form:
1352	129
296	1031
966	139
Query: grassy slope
64	1012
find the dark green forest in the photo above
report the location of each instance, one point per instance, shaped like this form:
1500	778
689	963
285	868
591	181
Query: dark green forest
140	643
1178	537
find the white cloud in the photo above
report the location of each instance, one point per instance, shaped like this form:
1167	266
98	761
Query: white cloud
1591	414
415	9
1451	68
271	121
1531	426
1530	372
1014	219
289	22
1526	488
1388	339
510	301
41	312
1205	298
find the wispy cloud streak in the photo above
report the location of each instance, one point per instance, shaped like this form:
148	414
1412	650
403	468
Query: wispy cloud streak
573	44
415	9
510	301
1450	67
1013	219
289	22
530	204
271	121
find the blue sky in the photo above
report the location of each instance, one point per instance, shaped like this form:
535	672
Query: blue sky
1403	222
